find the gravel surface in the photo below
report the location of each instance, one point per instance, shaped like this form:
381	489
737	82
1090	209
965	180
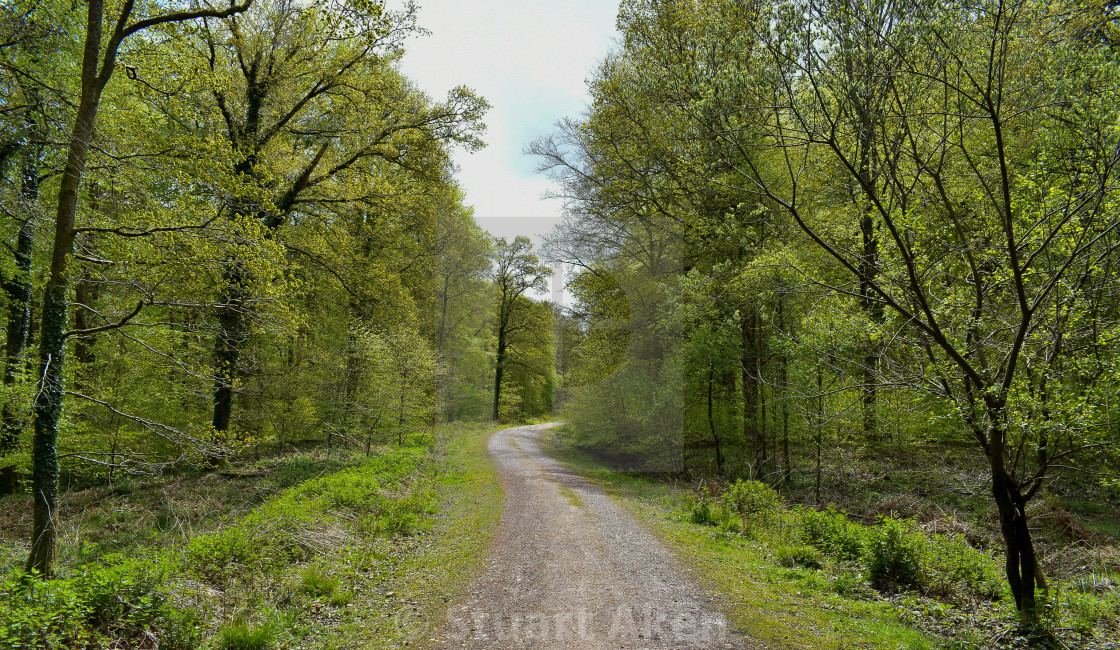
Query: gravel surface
569	569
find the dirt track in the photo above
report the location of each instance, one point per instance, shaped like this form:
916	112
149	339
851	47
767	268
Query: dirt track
571	570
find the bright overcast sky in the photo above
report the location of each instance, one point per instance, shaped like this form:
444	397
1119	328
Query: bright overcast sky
529	59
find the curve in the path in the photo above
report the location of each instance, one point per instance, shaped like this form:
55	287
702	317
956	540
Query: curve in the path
569	569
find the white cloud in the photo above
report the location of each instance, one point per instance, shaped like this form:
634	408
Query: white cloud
530	60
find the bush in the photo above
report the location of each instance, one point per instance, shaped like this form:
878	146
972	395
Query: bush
120	605
801	555
234	550
705	511
757	503
831	532
894	551
701	513
36	613
125	601
950	566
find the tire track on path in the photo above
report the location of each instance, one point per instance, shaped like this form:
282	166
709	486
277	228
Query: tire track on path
569	569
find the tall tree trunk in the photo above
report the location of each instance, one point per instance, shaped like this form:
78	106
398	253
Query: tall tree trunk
233	326
499	368
820	431
233	332
1021	562
48	400
868	270
17	287
749	362
712	425
783	387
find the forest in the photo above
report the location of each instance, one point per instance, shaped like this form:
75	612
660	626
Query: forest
230	230
841	292
861	252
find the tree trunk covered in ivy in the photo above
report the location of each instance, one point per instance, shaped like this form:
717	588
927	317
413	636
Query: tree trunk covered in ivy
97	69
17	288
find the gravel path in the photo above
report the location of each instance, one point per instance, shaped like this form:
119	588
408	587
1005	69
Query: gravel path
569	569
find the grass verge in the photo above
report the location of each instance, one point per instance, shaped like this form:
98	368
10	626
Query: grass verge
784	607
406	601
368	555
806	578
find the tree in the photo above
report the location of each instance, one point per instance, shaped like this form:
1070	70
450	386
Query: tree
461	297
516	271
311	106
995	193
31	34
938	177
97	69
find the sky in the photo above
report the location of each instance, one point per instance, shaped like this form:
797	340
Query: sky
529	59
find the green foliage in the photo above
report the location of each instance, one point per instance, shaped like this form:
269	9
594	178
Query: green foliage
523	351
953	570
830	531
801	555
742	162
236	550
102	606
894	547
757	503
38	613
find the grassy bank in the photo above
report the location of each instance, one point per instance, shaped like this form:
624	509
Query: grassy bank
797	577
367	552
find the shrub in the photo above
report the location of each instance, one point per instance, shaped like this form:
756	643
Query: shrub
801	555
36	613
234	550
950	566
120	605
125	601
754	501
831	532
894	551
701	513
704	511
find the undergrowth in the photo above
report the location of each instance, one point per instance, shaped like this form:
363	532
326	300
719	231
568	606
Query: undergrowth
932	573
796	576
276	577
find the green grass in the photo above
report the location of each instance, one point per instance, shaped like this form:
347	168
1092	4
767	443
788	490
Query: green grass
244	635
366	552
786	607
799	577
318	582
405	600
136	514
570	496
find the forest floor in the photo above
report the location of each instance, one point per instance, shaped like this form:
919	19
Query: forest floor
304	549
781	591
571	569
